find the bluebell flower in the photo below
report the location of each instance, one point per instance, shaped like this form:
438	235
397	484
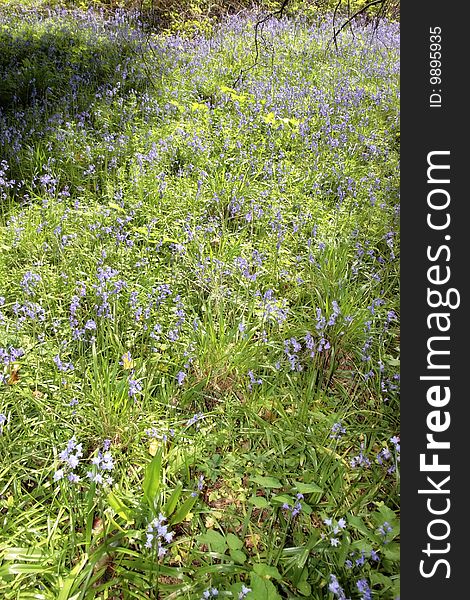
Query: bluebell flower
364	589
157	535
135	387
70	457
244	592
335	588
194	420
337	431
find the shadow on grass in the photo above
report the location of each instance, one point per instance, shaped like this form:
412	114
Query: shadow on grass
68	78
64	59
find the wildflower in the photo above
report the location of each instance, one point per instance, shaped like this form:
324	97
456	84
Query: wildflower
103	463
157	534
200	485
253	380
63	366
337	431
296	508
396	442
335	588
374	556
360	460
334	542
364	589
244	591
180	377
361	560
135	387
29	282
384	530
211	593
341	523
58	474
334	315
194	420
70	457
3	419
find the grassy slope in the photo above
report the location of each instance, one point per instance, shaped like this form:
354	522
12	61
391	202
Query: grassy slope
242	246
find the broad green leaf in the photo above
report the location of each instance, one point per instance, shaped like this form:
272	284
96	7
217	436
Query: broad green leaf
215	541
267	571
380	579
259	501
238	556
282	499
119	507
262	589
173	500
234	542
392	551
304	588
307	488
183	510
153	478
359	524
266	482
388	514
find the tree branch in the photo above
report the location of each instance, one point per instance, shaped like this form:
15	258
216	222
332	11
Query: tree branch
259	24
351	18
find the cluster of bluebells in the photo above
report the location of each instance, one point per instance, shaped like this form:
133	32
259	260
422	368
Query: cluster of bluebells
253	380
63	366
79	333
294	509
157	535
103	464
272	308
334	527
385	530
9	357
385	457
69	458
360	558
360	460
210	593
337	430
154	433
29	282
364	589
195	420
336	589
291	349
135	387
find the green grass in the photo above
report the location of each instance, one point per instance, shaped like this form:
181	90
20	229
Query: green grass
207	277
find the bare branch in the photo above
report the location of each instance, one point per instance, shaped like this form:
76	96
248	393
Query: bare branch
259	25
352	17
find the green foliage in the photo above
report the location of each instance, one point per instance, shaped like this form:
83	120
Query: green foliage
199	309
